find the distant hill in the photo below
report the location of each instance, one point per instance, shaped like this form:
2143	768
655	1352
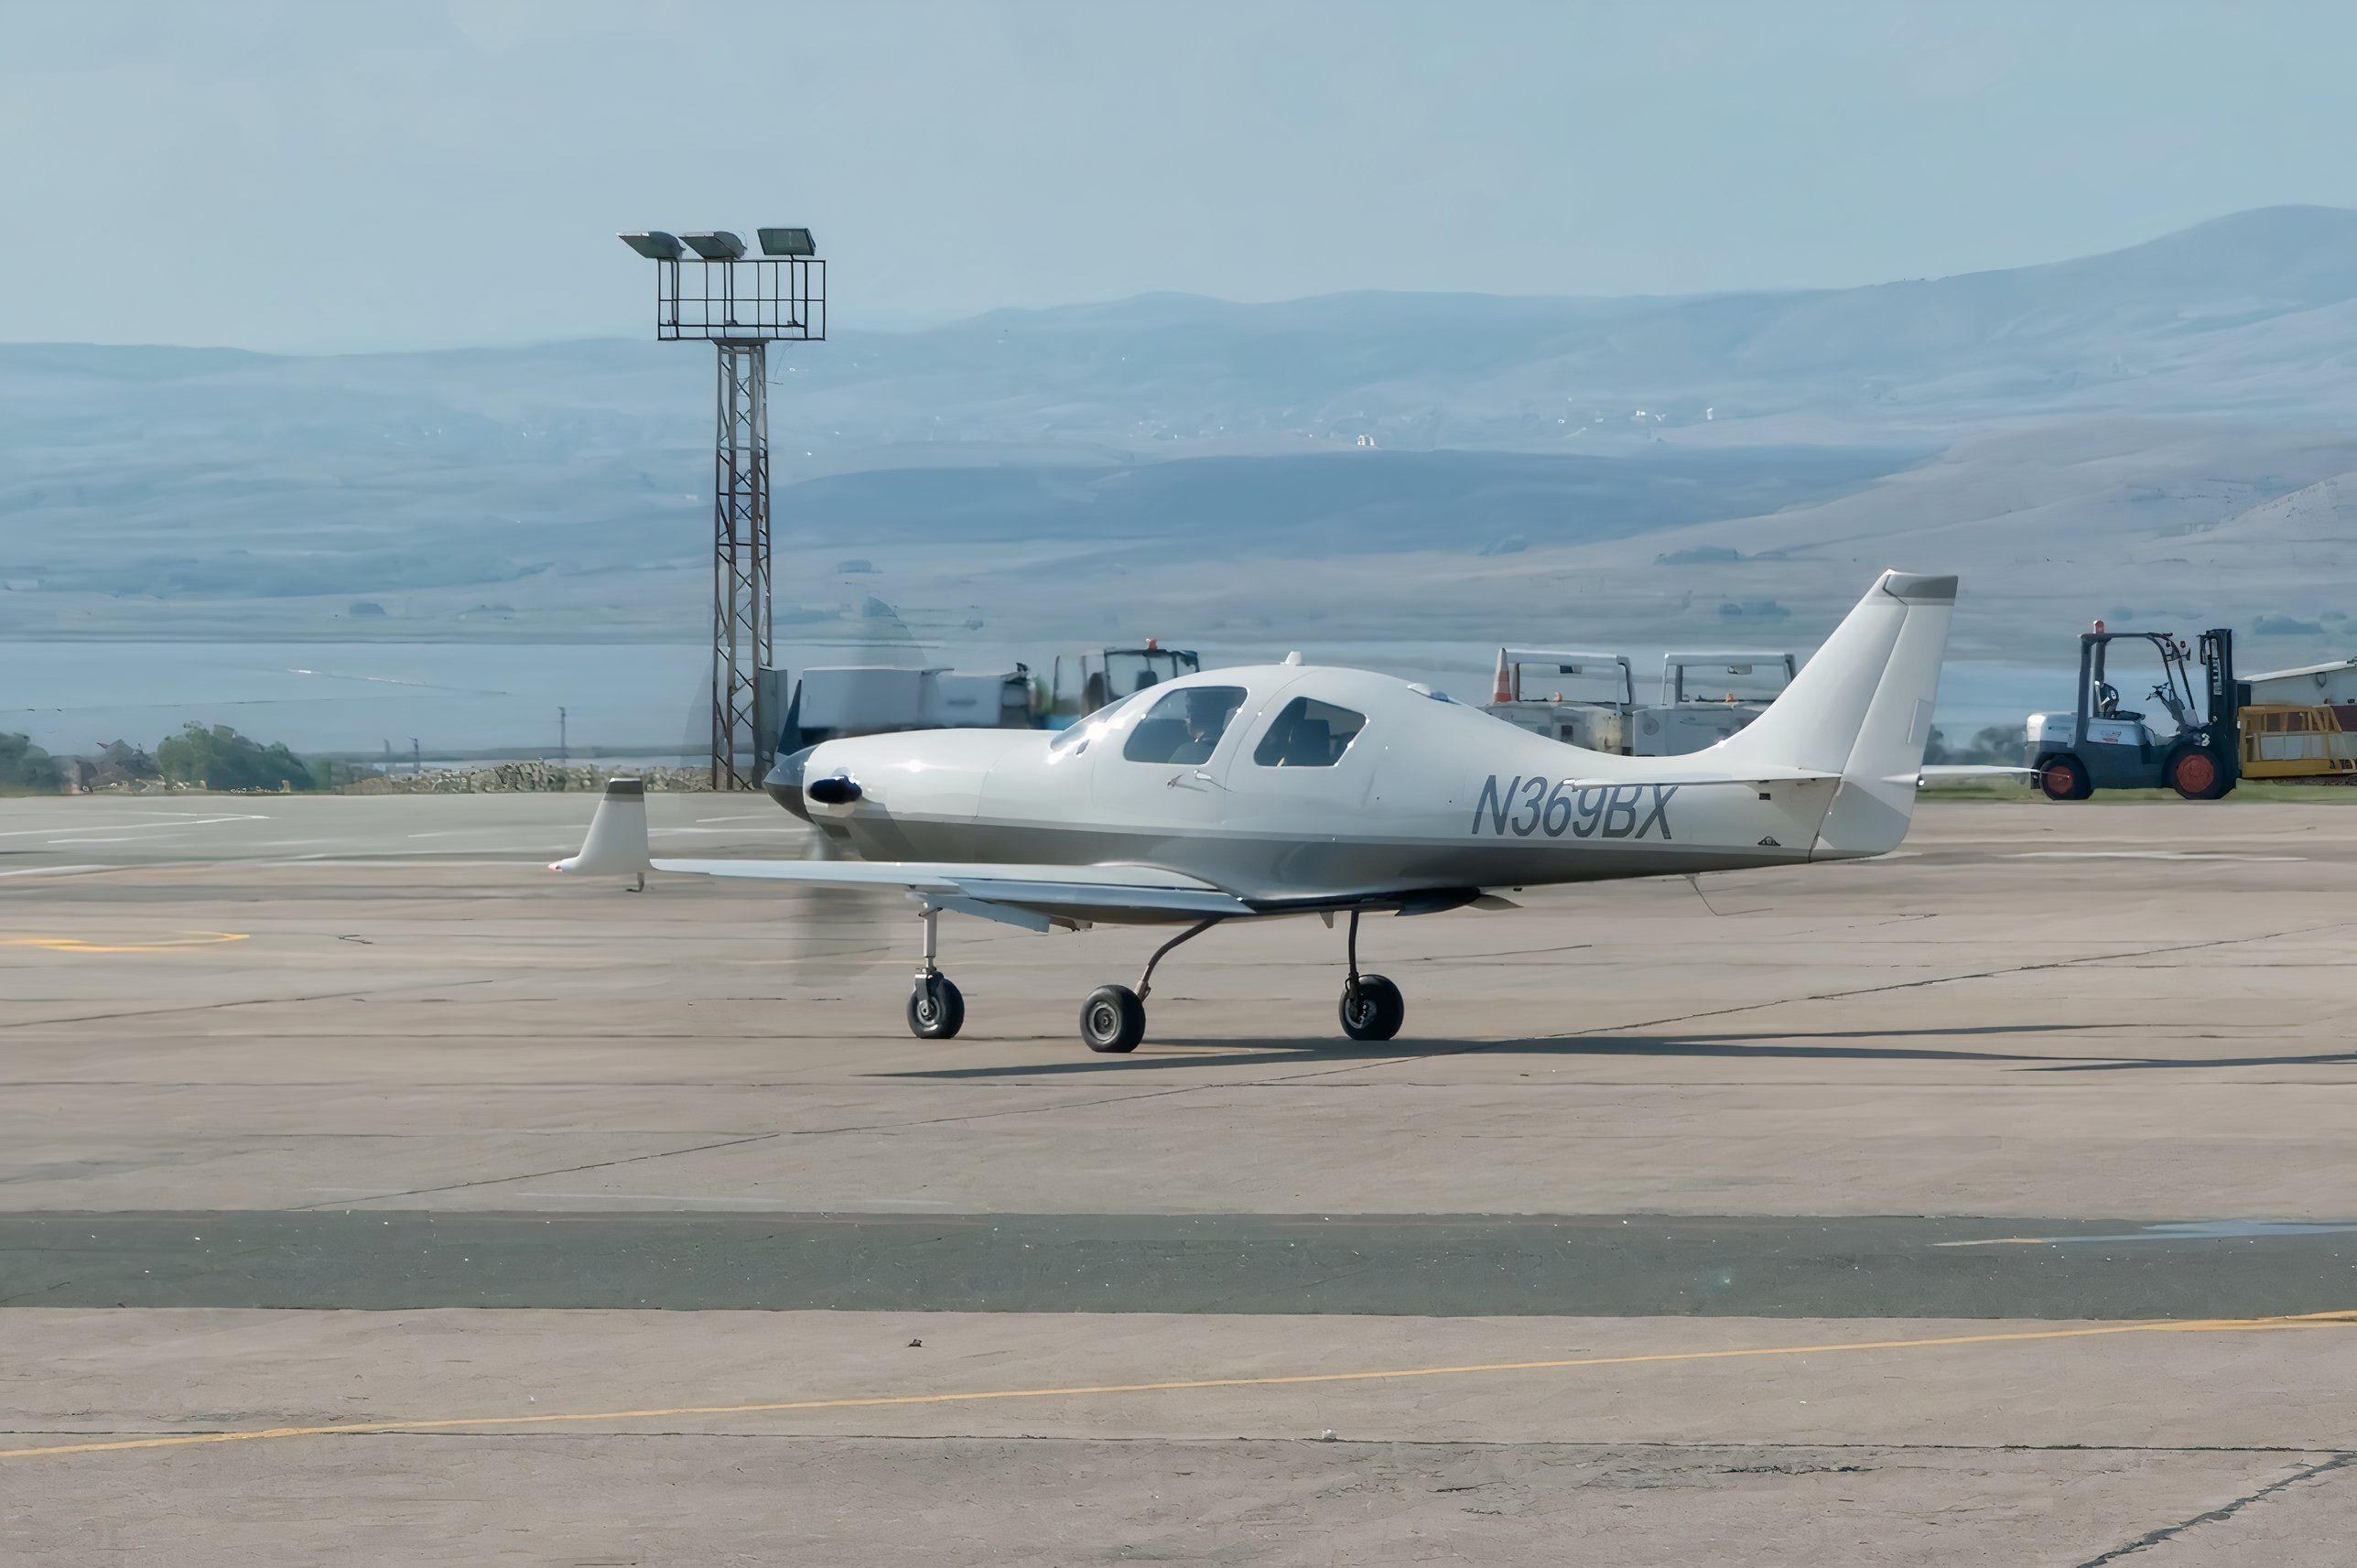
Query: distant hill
2050	426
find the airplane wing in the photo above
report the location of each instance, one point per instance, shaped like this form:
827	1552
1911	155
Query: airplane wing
1035	897
1046	892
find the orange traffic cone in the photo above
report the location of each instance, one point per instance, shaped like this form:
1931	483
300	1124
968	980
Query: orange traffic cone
1504	690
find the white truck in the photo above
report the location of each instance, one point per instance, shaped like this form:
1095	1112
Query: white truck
1589	699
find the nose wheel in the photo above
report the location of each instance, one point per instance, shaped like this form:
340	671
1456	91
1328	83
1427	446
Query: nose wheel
1113	1020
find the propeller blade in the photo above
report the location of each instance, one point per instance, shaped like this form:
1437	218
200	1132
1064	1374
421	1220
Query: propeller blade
842	934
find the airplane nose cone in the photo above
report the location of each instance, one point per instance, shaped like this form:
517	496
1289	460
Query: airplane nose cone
785	782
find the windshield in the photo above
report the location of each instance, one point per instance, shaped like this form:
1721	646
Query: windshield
1077	738
1591	681
1132	670
1733	680
2132	684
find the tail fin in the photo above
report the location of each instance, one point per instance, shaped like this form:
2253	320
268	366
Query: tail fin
1862	709
617	843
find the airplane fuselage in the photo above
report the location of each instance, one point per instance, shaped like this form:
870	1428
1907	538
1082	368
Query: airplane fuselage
1427	793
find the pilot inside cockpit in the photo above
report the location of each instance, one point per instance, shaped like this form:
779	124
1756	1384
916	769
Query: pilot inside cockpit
1209	710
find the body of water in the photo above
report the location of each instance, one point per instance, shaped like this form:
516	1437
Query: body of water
72	696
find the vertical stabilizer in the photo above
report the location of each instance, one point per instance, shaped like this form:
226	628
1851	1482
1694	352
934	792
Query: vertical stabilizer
1862	709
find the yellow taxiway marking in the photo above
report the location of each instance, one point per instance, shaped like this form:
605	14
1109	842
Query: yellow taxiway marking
168	944
873	1401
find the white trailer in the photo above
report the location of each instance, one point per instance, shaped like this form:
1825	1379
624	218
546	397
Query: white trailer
1705	698
1583	698
831	701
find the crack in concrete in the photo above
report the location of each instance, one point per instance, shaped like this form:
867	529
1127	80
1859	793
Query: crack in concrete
2223	1511
243	1002
529	1176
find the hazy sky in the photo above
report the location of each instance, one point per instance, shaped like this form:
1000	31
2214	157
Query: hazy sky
336	173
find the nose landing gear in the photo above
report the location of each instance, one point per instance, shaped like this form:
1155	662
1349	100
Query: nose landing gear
1113	1019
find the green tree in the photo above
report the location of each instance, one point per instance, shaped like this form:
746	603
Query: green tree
221	758
24	766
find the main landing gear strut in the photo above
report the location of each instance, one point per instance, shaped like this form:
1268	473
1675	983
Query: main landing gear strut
1113	1019
936	1008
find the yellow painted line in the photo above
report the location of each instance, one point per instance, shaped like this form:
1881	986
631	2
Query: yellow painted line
168	944
872	1402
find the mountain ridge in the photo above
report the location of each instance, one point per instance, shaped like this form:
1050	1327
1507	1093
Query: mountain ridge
197	487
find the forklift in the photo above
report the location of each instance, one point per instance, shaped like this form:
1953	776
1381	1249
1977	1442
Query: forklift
2103	746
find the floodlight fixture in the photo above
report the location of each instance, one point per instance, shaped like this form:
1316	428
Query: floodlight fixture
787	243
654	244
716	244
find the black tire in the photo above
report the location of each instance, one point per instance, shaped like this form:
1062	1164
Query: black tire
936	1008
1112	1021
2195	773
2064	777
1373	1011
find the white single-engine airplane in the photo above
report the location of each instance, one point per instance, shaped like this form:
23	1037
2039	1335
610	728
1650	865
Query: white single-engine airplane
1290	789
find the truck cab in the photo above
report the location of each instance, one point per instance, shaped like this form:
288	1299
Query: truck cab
1080	683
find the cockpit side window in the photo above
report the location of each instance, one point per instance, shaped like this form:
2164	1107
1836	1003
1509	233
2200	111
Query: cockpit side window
1307	733
1185	726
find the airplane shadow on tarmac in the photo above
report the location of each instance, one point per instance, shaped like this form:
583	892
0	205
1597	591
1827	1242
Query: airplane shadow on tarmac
1235	1053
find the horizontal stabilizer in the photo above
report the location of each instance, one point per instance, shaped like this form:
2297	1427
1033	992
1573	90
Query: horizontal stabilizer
1750	774
616	846
1934	772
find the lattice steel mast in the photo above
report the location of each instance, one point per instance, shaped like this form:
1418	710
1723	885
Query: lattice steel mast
739	305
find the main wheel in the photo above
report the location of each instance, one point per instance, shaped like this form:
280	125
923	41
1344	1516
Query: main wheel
1373	1009
2064	778
2194	773
936	1008
1112	1021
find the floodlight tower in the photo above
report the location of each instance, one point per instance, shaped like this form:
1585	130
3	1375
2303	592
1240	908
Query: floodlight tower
739	305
